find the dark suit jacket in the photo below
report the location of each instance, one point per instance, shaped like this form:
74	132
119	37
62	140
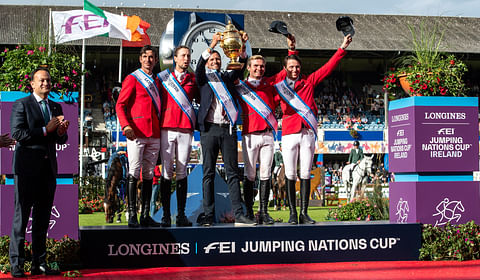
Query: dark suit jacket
32	146
355	156
206	93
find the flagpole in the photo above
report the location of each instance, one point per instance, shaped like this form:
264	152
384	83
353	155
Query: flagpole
49	31
119	80
82	103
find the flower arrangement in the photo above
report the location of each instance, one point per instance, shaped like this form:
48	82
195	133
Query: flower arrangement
426	71
451	242
374	207
18	64
86	206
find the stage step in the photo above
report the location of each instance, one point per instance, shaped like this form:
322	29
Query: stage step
227	244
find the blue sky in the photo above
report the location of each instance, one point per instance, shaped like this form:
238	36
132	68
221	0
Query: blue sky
457	8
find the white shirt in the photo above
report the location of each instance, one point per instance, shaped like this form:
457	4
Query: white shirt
291	83
253	82
180	76
216	113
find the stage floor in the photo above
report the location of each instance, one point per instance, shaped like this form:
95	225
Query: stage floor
336	271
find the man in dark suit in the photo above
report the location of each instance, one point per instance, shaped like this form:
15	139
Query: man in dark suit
37	124
218	131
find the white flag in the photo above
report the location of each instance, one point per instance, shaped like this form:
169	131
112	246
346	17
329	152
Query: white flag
78	24
81	24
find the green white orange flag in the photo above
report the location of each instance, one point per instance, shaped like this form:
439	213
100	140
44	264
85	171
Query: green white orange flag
93	21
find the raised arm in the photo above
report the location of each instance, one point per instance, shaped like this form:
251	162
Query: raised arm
317	76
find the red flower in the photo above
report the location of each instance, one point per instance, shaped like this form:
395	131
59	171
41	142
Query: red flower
394	80
452	62
424	86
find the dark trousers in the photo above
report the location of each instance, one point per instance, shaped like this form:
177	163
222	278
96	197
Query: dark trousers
36	194
217	138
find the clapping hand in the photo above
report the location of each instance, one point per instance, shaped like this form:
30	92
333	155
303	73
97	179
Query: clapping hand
63	127
6	141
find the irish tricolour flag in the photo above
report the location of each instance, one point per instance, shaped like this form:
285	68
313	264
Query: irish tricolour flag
93	21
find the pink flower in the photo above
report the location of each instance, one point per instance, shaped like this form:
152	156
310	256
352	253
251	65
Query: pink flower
74	72
358	219
74	85
6	50
66	78
42	49
30	52
17	47
20	86
26	76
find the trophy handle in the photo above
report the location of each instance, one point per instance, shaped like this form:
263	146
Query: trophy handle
221	38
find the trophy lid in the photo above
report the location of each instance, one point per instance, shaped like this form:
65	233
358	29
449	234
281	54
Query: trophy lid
230	27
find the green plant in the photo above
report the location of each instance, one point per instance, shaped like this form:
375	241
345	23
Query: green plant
90	187
64	253
18	64
374	207
451	242
428	71
354	133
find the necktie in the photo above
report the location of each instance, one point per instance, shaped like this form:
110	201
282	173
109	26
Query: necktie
46	115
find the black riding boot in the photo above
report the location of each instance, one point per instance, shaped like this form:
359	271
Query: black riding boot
264	218
132	201
304	196
145	219
248	197
165	193
292	203
182	187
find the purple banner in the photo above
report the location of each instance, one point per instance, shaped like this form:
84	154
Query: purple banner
64	218
434	203
433	139
67	154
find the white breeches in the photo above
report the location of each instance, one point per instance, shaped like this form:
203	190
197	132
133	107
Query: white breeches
175	145
298	147
258	147
142	155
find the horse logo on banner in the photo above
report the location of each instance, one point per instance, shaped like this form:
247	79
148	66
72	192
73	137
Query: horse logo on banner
402	211
448	211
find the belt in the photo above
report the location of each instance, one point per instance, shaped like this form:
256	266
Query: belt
268	129
223	125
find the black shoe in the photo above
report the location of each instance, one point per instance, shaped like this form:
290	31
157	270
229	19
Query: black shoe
166	221
148	222
43	269
243	220
17	272
205	221
132	220
182	221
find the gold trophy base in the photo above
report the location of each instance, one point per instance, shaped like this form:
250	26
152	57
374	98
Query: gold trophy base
235	66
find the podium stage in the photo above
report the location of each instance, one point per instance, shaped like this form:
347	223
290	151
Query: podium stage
226	244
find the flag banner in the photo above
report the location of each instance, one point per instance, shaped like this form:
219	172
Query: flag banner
78	24
91	22
140	37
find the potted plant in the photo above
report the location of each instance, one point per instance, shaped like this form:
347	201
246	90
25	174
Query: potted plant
426	71
434	132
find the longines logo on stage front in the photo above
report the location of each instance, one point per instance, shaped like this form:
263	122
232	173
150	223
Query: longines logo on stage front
252	247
